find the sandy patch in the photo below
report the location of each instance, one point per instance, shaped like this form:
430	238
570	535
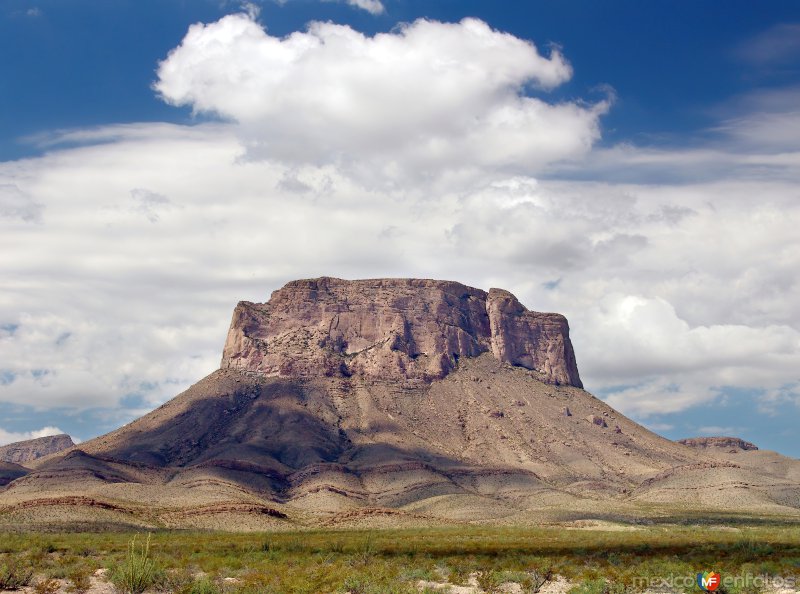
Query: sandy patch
558	585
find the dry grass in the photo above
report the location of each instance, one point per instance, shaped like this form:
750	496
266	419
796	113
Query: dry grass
392	561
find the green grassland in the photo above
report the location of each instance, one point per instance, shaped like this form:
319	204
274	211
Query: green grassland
606	560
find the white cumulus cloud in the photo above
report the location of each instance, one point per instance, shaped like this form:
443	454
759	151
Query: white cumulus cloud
371	6
16	204
426	97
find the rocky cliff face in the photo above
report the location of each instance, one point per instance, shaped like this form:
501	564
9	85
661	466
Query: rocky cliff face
24	451
718	442
394	329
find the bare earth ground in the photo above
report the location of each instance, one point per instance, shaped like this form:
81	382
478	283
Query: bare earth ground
558	585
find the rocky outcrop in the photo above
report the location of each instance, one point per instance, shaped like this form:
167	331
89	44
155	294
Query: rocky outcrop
718	442
393	329
21	452
538	341
597	420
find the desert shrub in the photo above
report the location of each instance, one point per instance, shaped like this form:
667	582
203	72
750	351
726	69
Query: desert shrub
752	549
294	545
532	581
419	573
336	546
203	585
598	586
358	584
363	554
48	548
46	586
741	585
664	568
138	572
270	550
177	581
460	571
589	586
15	574
489	581
255	581
80	579
529	581
268	546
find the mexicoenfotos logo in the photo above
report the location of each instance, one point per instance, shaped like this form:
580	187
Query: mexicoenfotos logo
712	581
708	580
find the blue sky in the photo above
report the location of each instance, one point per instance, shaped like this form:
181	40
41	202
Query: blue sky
635	168
672	65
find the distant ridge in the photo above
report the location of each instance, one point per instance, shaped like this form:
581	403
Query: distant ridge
28	450
718	442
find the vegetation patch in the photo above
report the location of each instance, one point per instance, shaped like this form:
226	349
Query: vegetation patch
15	573
398	561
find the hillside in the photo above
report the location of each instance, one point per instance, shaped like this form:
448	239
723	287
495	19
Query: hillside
391	402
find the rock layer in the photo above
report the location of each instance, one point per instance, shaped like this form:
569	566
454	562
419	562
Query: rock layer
718	442
24	451
393	329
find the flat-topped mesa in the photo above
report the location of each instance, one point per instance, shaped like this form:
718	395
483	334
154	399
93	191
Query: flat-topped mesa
21	452
393	329
718	442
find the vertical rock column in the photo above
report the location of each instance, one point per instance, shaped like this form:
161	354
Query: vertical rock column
536	341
